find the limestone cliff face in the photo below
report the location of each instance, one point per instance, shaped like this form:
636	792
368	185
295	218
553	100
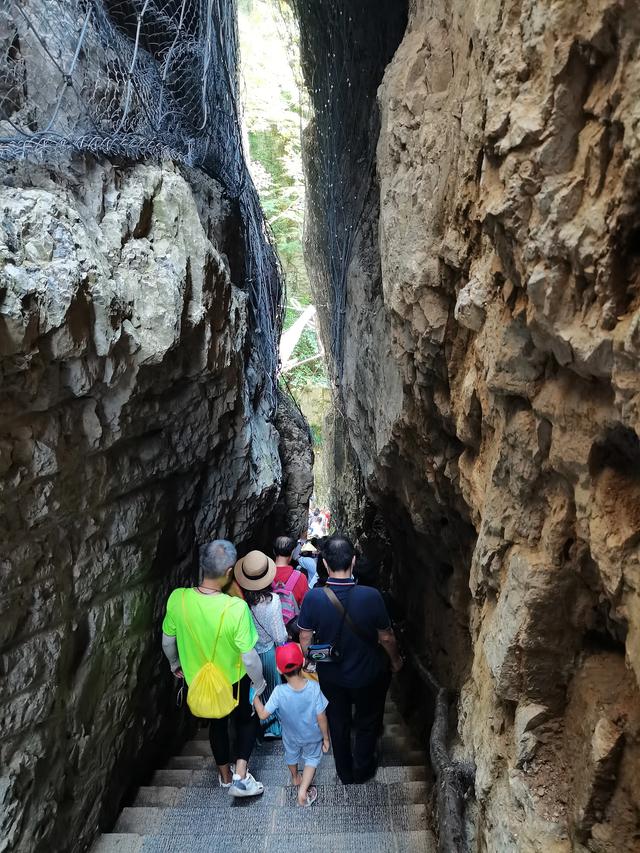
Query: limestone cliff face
290	515
131	427
505	451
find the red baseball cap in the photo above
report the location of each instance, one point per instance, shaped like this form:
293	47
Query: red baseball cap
289	657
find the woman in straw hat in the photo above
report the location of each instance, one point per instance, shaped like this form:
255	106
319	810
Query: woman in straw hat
254	574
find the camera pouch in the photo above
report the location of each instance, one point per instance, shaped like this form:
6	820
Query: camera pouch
323	653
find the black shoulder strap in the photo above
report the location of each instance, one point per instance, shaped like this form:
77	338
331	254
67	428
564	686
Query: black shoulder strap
333	598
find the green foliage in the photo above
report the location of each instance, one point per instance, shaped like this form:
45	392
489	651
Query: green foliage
313	372
282	198
275	112
316	434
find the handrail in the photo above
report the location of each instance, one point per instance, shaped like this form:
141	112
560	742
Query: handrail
453	778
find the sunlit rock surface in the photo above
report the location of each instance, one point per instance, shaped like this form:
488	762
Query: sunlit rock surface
131	427
491	396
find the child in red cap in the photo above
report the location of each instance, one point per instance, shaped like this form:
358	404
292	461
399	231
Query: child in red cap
301	709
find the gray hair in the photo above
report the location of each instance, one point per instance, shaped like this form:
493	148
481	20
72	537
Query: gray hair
216	558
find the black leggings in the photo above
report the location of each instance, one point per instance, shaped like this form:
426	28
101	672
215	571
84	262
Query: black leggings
246	726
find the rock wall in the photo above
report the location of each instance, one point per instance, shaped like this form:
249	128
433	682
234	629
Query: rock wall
290	514
504	452
132	426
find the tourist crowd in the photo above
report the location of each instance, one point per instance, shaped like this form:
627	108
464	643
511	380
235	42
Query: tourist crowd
294	647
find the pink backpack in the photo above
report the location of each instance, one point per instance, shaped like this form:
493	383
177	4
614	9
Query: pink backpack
284	591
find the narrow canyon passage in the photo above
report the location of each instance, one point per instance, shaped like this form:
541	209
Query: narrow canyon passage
472	251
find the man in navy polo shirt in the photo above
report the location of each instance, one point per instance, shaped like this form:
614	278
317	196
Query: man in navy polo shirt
359	678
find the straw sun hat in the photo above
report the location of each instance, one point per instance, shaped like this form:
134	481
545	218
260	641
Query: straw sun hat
254	571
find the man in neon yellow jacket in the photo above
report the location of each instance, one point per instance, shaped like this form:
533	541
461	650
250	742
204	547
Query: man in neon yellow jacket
191	624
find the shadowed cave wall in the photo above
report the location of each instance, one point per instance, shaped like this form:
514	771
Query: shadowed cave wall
139	310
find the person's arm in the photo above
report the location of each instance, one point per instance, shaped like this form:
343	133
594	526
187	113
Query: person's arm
324	728
301	589
306	621
306	638
386	637
265	710
170	649
169	632
253	665
260	709
387	640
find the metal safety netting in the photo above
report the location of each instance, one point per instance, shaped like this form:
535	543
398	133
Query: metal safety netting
139	79
345	46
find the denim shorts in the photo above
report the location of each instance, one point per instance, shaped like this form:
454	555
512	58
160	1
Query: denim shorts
308	754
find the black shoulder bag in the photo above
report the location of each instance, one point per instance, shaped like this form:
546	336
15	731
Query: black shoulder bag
330	652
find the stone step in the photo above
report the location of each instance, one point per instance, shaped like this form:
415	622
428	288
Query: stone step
159	796
393	725
118	842
395	741
176	823
329	795
391	745
400	729
416	841
193	762
184	810
200	762
274	772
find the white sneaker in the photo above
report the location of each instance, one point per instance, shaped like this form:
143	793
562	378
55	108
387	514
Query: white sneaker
247	787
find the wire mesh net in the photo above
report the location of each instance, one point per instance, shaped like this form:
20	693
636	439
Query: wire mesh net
345	46
139	79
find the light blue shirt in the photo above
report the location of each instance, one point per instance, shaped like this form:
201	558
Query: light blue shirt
298	713
311	567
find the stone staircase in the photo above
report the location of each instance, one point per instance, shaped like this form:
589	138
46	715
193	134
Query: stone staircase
184	810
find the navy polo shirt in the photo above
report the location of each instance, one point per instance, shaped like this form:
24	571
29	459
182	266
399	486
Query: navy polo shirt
362	662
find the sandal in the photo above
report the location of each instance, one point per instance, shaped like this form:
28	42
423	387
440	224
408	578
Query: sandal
312	796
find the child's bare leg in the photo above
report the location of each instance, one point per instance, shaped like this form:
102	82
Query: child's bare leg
296	778
308	775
